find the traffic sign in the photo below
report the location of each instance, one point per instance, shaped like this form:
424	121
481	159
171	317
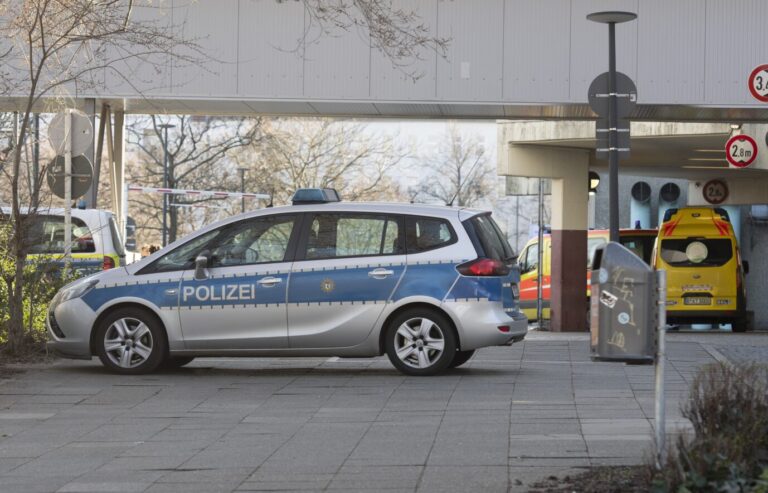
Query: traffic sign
758	83
625	90
741	150
715	192
82	176
602	133
82	133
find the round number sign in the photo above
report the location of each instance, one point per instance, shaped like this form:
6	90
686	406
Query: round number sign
715	192
741	150
758	83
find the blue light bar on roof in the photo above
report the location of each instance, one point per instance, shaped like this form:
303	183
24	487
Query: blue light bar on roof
315	196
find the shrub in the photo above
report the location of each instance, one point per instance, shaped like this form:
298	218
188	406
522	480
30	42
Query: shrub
728	408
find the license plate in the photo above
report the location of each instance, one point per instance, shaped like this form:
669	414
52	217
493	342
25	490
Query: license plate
697	300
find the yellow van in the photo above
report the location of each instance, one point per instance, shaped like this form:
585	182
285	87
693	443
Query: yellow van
640	241
705	274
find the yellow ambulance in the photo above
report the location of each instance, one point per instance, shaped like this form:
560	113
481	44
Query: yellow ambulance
705	273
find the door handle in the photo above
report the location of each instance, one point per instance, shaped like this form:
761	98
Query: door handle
380	273
171	292
269	281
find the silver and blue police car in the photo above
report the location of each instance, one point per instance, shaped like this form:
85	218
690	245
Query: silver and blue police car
427	285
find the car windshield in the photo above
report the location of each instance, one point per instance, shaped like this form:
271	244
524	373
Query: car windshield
696	252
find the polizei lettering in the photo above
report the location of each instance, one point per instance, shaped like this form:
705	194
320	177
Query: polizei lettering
224	292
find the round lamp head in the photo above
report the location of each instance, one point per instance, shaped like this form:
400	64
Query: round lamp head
611	16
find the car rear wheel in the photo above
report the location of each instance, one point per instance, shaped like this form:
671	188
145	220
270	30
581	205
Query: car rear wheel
420	342
131	342
460	358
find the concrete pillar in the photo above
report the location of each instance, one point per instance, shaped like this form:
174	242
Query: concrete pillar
569	171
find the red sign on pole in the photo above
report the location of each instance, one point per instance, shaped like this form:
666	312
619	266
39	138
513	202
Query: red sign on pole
741	150
758	83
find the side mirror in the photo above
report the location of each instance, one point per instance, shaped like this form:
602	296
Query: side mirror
745	266
201	265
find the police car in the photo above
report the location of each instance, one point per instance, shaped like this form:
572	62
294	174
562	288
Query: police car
427	285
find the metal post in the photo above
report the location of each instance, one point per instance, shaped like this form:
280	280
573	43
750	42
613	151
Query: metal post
660	419
165	185
613	141
540	267
36	161
67	190
242	188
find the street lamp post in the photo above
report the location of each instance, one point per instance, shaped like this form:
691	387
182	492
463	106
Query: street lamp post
242	187
165	127
612	18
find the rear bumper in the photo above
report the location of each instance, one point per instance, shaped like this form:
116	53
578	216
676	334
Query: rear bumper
484	323
703	316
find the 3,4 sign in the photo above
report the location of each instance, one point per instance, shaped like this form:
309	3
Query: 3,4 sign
758	83
741	150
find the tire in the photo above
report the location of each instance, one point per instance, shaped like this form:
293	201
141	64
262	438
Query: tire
420	342
131	341
741	324
172	362
460	358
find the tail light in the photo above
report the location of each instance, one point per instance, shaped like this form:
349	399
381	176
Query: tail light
109	263
483	267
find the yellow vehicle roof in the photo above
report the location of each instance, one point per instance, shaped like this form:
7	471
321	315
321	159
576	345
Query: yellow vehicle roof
697	221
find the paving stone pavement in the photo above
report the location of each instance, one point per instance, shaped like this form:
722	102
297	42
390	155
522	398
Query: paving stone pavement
510	417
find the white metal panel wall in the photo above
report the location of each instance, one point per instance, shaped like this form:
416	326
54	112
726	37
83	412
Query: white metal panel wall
396	81
269	38
589	44
536	50
337	66
667	72
737	41
216	20
133	77
473	69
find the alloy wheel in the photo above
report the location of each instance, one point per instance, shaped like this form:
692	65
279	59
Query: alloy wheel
128	342
419	342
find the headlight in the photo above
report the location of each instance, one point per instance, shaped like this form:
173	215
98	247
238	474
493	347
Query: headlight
74	290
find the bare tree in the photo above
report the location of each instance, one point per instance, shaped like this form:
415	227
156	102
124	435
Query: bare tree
48	47
461	174
313	153
199	157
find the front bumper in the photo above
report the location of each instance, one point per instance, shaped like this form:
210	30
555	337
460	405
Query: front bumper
72	337
478	324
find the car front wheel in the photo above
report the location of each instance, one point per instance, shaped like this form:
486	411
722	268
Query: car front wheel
420	342
131	342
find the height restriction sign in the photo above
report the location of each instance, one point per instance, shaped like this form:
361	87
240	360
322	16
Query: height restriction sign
741	150
758	83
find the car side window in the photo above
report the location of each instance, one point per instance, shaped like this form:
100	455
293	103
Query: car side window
531	261
352	235
428	233
183	257
253	241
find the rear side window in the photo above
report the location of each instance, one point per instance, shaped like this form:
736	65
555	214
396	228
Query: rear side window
47	236
696	252
491	240
428	233
640	245
352	235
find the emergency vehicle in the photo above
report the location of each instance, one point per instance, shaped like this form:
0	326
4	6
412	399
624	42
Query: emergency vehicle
427	285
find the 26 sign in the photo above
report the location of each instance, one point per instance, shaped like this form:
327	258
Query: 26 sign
758	83
715	192
741	150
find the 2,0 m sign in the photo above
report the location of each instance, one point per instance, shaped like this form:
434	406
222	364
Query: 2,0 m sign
758	83
741	150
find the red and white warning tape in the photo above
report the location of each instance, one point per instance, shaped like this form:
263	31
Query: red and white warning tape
199	193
